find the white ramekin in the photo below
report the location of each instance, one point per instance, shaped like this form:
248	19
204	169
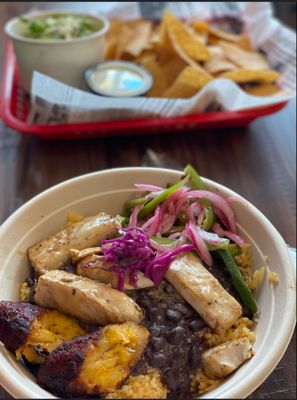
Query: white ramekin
64	60
107	191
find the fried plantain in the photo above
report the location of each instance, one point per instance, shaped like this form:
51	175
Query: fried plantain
32	332
94	364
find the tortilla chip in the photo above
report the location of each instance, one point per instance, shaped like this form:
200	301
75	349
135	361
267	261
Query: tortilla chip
181	36
164	47
112	39
155	34
201	36
173	68
187	84
142	32
215	51
115	28
110	48
246	59
160	83
266	89
246	76
146	54
215	34
244	42
124	38
217	65
201	26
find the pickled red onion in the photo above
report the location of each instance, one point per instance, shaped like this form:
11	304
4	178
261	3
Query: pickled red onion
230	235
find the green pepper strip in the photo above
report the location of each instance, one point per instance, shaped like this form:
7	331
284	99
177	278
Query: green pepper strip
200	185
174	229
162	240
195	177
224	244
234	249
150	206
134	202
238	281
166	240
124	221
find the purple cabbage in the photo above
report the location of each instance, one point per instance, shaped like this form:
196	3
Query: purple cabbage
132	252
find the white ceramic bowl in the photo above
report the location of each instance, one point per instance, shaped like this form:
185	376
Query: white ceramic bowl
64	60
106	191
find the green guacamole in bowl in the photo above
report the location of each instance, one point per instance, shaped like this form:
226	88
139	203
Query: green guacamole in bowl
60	26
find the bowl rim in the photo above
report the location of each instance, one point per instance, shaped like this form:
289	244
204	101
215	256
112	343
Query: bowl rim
18	387
9	28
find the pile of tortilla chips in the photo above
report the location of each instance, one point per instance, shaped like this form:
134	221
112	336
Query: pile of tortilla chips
184	56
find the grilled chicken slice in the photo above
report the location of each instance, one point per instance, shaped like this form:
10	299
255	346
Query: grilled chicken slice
33	332
94	364
220	361
52	253
85	299
94	267
204	292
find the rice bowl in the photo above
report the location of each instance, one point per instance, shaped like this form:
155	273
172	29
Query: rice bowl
43	215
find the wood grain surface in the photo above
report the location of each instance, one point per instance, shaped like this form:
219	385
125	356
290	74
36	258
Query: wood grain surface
258	162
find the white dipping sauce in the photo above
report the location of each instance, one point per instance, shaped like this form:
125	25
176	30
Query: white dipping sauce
118	79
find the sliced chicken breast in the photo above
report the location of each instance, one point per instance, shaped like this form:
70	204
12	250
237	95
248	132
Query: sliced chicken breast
94	267
85	299
203	291
52	253
220	361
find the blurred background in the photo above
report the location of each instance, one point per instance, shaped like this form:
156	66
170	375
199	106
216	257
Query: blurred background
286	12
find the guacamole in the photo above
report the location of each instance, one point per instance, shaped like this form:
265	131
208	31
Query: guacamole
60	26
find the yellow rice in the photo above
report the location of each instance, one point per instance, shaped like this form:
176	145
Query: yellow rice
242	328
202	384
24	291
148	386
273	277
243	260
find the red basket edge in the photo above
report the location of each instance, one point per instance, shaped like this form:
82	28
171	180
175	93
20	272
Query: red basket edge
220	118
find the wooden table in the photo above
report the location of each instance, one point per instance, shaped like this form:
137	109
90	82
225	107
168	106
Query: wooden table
259	162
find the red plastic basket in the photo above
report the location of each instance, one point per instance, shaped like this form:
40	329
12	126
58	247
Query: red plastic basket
14	107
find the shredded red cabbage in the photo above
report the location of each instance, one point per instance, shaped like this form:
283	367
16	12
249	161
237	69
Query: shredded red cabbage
158	267
132	252
129	253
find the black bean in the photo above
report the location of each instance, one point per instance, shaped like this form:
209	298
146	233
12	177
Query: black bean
162	306
31	281
169	289
173	315
158	343
156	315
194	357
158	360
183	309
155	330
174	343
143	301
175	335
183	381
196	324
181	359
171	380
182	395
195	339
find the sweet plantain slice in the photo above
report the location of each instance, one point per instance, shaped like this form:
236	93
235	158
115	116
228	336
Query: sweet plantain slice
96	363
33	332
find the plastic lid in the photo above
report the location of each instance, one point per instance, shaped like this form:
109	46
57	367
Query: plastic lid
118	79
